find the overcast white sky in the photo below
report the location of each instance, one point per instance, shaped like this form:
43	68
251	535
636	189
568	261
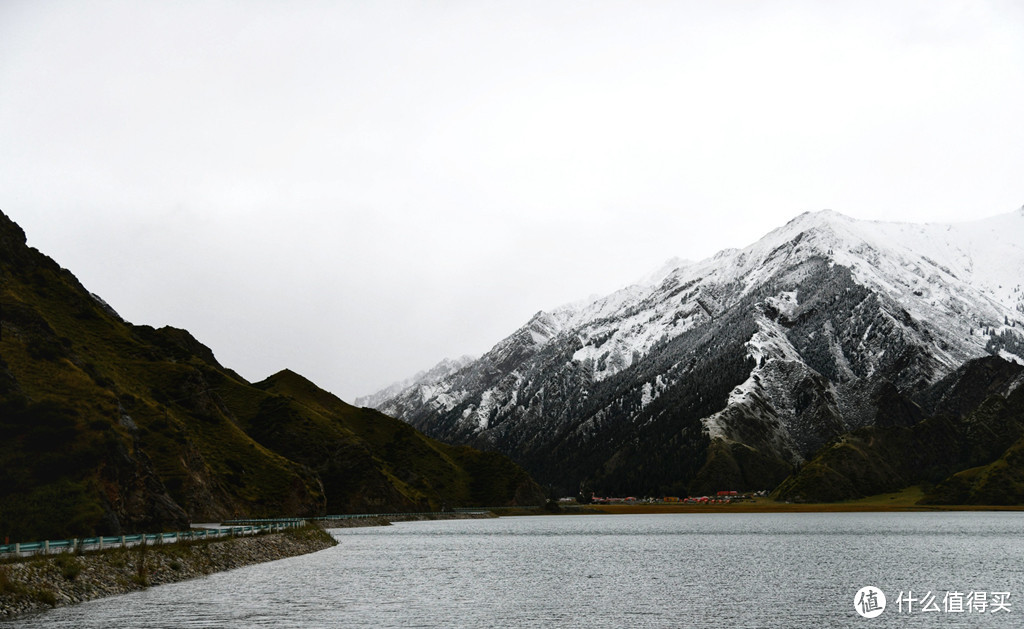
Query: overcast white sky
355	190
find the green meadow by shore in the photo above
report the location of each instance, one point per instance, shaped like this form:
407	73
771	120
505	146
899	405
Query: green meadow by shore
904	500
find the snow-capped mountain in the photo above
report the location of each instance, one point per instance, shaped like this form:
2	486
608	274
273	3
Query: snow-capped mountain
737	367
425	378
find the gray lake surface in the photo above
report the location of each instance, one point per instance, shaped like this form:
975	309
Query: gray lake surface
671	570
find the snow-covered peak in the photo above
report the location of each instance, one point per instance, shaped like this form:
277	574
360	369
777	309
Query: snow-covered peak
962	281
543	327
435	374
658	276
962	275
780	346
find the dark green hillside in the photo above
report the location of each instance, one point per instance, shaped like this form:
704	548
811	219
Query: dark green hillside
969	449
109	427
385	461
998	483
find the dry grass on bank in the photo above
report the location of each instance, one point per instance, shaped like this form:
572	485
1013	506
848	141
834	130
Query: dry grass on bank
905	500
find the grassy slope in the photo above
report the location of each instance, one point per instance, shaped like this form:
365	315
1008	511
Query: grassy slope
998	483
970	452
99	422
425	473
110	427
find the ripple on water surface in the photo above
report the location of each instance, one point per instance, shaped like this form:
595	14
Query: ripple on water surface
737	570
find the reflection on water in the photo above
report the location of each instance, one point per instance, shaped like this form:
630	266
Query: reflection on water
737	570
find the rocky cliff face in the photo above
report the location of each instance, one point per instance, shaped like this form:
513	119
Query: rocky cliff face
731	371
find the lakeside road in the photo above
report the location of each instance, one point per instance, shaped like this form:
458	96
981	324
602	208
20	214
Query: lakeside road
38	582
31	584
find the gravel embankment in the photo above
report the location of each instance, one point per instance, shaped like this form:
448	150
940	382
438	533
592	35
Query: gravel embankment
41	582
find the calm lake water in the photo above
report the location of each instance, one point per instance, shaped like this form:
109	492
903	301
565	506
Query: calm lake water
685	570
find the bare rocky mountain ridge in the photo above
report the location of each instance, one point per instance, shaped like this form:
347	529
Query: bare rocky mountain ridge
733	371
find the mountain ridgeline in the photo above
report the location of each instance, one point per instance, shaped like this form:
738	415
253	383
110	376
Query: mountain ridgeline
110	428
742	371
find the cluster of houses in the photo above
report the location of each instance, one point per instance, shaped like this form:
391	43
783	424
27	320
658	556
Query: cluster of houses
720	497
725	496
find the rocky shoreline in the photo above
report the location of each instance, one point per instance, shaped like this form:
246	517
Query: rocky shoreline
38	583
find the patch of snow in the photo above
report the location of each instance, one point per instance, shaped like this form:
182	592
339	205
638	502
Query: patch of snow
768	344
440	396
667	269
646	395
480	415
785	302
430	376
1013	358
